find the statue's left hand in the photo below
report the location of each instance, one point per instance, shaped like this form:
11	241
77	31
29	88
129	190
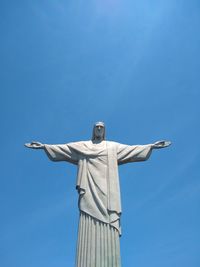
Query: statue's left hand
34	145
161	144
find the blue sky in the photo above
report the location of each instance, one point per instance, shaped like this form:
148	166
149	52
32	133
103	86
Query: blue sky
133	64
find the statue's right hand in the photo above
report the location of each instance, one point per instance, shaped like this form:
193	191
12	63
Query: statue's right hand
34	145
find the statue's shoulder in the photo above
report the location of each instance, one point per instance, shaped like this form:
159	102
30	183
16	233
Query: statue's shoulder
78	143
84	142
112	143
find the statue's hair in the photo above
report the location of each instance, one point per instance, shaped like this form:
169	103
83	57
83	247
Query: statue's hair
93	132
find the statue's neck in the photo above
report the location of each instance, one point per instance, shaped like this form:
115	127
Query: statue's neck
97	141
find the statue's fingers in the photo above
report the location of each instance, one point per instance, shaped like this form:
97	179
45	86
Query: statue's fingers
27	145
168	143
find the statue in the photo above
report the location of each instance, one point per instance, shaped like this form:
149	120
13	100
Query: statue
99	191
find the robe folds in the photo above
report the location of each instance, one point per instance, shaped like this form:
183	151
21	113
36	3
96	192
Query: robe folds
99	195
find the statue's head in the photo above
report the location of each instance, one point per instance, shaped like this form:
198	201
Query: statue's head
98	131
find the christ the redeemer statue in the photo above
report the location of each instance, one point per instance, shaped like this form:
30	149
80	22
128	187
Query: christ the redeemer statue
99	192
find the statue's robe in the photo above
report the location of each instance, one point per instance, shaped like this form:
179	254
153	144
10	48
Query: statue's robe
99	195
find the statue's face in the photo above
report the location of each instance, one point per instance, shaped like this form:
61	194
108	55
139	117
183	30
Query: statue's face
99	131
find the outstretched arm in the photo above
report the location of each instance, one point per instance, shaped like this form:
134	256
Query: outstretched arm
135	153
64	152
